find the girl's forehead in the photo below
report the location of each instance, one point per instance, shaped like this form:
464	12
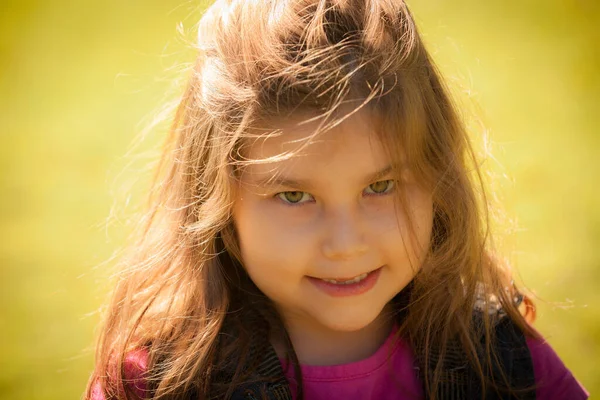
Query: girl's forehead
349	150
304	136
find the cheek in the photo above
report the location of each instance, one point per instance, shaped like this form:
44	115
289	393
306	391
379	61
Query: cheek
269	242
422	214
405	243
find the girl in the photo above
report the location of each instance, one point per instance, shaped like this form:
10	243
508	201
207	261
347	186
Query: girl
315	229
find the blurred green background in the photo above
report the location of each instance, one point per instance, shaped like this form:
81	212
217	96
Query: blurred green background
80	80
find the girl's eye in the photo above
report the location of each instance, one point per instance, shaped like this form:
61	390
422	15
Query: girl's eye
381	187
295	197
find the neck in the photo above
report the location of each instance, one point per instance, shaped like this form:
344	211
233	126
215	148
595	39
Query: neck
317	345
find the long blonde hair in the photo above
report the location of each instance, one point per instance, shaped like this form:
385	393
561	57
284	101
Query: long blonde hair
270	58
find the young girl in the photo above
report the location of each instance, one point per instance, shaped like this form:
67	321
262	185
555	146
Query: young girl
316	228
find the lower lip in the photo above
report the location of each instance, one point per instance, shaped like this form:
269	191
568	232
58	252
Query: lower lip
352	289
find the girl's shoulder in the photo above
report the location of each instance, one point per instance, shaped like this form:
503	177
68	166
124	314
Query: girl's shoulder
552	379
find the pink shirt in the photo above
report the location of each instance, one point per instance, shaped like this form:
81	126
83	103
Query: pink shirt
388	374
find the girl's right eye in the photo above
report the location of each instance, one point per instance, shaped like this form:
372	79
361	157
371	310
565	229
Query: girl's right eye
294	198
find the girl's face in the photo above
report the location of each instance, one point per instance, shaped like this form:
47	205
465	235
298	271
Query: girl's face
328	216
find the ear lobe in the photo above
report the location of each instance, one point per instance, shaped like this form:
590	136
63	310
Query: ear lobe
528	310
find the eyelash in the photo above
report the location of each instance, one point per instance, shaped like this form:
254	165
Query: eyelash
389	189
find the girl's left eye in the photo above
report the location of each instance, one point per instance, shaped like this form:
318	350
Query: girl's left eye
380	187
294	197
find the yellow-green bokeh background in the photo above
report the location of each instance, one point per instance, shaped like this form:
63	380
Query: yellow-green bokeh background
80	79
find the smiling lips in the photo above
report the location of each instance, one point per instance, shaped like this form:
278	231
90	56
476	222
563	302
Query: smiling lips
347	281
347	287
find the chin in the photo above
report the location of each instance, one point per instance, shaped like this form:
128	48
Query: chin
351	321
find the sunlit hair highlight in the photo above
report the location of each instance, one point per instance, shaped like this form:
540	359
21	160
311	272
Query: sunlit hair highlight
259	60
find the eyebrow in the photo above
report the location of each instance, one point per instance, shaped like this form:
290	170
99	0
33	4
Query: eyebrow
280	180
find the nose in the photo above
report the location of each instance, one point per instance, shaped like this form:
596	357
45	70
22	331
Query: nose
345	236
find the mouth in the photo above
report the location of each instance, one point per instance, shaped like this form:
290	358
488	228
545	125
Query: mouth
351	286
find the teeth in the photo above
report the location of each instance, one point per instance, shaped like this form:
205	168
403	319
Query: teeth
348	282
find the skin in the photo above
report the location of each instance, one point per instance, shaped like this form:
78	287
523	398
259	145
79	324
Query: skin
344	223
